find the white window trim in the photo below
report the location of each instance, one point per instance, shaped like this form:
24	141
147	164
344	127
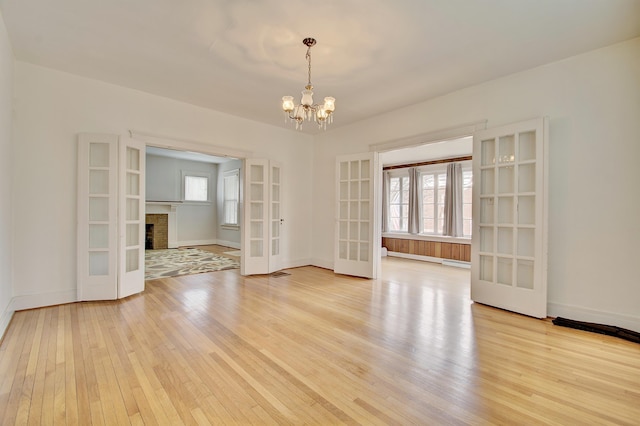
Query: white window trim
225	225
186	173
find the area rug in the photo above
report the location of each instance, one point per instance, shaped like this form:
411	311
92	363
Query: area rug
175	262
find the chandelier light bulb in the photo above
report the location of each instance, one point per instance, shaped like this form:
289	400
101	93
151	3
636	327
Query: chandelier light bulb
321	114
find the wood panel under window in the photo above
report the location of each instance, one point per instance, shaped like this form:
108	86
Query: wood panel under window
443	250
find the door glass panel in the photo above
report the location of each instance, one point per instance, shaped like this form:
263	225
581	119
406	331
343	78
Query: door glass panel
133	236
353	210
256	230
133	209
505	240
343	250
98	182
355	169
98	209
353	230
525	274
275	175
486	268
133	158
257	192
355	190
364	210
256	249
98	236
364	252
275	192
505	180
257	173
365	169
275	229
488	152
275	247
486	238
133	184
487	182
353	250
257	211
364	190
98	263
344	227
98	154
344	210
527	146
505	271
344	191
275	211
506	149
526	210
132	260
505	210
526	242
344	170
527	178
364	230
486	210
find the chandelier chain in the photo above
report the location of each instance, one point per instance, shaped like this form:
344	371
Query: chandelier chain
309	61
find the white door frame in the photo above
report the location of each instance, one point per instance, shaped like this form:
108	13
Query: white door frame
463	130
180	144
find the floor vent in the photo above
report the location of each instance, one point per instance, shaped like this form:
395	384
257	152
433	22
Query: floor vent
279	274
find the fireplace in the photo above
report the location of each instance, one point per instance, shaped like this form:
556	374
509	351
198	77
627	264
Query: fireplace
157	231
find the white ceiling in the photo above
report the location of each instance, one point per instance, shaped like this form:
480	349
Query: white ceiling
241	57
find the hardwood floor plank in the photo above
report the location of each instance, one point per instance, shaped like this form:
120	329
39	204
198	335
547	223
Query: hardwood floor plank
314	348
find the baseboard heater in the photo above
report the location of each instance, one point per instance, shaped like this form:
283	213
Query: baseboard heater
609	330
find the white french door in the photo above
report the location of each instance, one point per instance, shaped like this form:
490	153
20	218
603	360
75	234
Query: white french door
132	217
97	217
110	235
357	244
262	217
509	246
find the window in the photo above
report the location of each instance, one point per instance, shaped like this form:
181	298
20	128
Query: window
432	185
399	203
433	188
196	186
231	196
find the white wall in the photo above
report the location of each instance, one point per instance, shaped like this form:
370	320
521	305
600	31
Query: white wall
51	107
226	237
196	223
6	96
593	102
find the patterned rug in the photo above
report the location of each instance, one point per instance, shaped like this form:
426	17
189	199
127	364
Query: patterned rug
174	262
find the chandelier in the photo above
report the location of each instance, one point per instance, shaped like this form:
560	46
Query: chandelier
321	114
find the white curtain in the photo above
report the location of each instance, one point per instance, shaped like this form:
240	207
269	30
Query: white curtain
414	201
385	200
452	225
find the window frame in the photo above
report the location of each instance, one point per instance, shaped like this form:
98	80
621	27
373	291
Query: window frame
187	174
403	174
231	173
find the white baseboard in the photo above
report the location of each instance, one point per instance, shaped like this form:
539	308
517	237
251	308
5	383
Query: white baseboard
31	301
296	263
590	315
321	263
5	318
196	243
447	262
231	244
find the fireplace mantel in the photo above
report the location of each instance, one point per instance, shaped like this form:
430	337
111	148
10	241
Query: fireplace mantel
168	208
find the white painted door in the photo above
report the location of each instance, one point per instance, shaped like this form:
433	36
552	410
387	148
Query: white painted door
509	245
131	217
275	216
97	230
255	226
357	234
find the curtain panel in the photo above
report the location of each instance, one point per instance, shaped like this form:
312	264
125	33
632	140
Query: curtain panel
453	225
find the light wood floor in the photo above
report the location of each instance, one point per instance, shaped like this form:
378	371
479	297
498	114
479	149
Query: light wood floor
310	348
